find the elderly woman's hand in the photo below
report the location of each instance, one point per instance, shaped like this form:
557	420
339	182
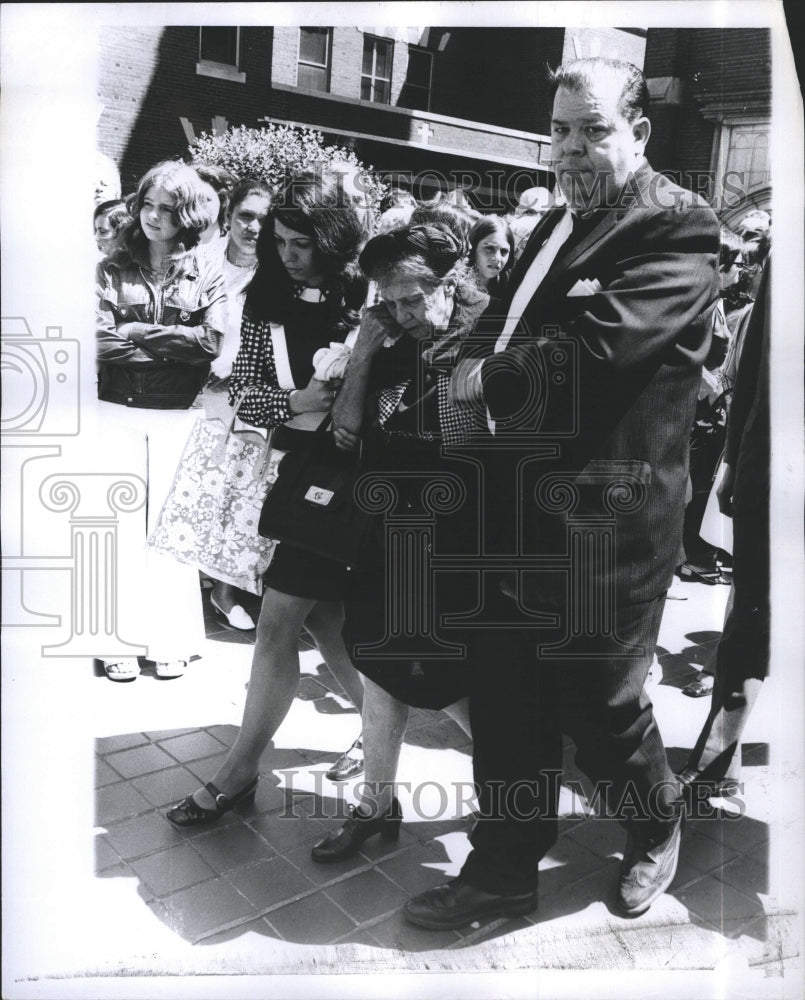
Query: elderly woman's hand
345	439
377	327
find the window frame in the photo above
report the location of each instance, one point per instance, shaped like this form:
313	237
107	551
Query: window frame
327	66
220	70
409	86
373	78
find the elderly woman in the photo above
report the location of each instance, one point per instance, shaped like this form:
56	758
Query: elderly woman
401	363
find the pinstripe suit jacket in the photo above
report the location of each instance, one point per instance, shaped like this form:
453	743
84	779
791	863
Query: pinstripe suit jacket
599	389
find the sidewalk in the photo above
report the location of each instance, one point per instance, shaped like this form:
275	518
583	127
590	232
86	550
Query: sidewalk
243	896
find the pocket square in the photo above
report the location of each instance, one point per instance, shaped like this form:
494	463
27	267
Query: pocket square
585	286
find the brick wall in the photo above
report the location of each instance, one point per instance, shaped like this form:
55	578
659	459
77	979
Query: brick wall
609	43
285	56
148	81
717	68
345	77
127	60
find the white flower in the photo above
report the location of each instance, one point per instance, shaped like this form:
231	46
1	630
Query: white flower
180	537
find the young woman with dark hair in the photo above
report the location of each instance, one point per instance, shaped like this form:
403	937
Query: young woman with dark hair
306	294
492	254
247	210
107	221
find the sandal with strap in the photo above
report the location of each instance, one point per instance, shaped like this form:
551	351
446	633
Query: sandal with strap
699	688
350	764
189	813
127	669
166	669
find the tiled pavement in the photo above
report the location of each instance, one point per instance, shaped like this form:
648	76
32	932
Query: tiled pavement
252	873
244	896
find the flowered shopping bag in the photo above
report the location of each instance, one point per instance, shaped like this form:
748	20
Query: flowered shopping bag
210	516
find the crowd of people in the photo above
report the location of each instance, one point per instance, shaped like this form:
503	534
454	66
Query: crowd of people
418	338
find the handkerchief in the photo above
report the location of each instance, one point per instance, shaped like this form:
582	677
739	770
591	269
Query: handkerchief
585	286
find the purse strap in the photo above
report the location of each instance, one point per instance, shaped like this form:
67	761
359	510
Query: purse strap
282	363
219	451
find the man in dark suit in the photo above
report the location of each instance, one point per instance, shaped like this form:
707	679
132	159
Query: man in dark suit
588	378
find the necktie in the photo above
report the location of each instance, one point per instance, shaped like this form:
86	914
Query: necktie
534	276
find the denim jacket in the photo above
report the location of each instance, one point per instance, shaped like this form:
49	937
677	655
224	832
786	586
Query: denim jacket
156	339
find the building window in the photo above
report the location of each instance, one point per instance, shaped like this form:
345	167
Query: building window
376	70
416	89
315	50
219	53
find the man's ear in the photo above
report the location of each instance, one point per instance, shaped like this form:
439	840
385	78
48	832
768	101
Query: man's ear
641	130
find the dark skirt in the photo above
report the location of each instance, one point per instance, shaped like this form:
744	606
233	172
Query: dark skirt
418	670
298	573
394	629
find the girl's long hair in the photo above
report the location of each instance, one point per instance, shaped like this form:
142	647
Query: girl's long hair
315	204
193	209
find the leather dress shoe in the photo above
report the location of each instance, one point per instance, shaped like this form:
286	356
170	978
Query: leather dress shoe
343	843
189	813
456	904
648	867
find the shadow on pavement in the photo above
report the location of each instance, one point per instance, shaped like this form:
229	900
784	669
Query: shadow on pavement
252	872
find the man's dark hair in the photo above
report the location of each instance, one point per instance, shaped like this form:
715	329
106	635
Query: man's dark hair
583	74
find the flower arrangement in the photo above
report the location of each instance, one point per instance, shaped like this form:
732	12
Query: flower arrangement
272	152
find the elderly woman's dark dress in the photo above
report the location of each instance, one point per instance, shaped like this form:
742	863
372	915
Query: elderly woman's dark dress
414	445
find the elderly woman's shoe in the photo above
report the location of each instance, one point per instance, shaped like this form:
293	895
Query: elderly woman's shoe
189	813
343	843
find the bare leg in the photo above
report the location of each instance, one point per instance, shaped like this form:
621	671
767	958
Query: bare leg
384	722
272	686
226	596
324	623
717	754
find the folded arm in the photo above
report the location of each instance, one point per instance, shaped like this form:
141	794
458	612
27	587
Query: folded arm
659	300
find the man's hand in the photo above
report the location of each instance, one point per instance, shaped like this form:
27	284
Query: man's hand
465	385
724	491
315	397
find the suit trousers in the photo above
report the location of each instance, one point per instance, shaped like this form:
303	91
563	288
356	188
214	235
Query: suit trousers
524	698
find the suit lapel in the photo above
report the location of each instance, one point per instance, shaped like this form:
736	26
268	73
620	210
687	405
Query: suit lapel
542	231
633	193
